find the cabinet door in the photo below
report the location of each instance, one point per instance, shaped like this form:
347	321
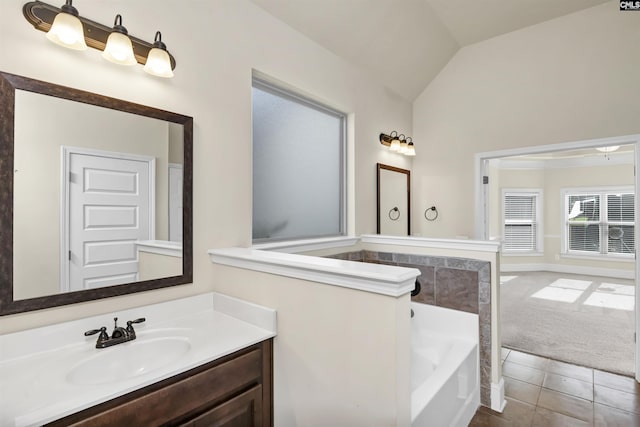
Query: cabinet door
244	410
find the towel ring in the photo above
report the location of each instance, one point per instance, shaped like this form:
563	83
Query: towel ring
433	216
395	211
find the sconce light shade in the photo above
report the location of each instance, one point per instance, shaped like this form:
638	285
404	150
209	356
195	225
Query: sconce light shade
411	150
403	146
398	143
67	29
395	144
158	61
119	49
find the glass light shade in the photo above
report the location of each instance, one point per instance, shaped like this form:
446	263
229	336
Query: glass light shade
67	31
158	63
411	151
609	149
395	145
403	147
119	49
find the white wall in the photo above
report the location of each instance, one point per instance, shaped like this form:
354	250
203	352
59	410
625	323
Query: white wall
569	79
213	84
341	357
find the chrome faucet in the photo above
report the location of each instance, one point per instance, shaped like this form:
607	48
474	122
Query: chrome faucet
118	336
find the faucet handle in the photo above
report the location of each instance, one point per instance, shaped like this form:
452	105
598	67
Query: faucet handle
103	333
131	322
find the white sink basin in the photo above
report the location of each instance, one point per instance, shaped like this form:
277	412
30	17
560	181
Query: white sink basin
128	360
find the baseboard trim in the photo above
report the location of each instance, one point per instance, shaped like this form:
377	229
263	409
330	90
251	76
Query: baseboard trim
498	401
569	269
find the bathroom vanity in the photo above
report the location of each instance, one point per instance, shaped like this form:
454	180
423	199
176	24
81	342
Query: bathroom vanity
201	360
234	390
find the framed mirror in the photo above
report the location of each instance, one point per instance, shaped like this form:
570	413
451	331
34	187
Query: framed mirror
393	201
96	196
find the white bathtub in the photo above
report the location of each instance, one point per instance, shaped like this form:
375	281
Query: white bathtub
445	381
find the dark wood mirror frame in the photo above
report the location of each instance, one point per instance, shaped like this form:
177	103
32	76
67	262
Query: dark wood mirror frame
381	166
9	83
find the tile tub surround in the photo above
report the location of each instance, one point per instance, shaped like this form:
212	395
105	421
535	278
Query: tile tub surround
34	362
457	283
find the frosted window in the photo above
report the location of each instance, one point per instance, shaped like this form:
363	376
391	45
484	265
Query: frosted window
298	167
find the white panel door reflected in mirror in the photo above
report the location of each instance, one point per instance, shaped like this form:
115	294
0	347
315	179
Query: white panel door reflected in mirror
90	184
393	201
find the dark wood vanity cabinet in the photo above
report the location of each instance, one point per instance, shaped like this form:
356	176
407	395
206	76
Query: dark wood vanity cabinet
234	391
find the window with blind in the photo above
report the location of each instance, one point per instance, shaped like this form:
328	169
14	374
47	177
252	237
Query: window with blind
600	222
522	221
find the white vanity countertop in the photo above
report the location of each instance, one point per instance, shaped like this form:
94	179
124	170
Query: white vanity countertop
34	364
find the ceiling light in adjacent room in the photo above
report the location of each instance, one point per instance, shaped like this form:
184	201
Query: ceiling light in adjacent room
608	149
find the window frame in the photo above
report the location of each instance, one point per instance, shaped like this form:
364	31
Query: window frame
603	223
538	194
293	95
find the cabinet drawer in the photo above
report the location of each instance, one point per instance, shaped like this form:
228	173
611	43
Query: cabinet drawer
244	410
185	396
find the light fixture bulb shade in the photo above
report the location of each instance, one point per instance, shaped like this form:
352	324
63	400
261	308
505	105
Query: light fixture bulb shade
411	151
67	31
403	147
395	145
158	63
608	149
119	49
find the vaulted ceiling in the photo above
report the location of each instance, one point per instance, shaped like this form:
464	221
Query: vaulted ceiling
405	43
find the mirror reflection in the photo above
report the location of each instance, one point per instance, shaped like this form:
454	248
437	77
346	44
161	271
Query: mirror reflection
97	197
394	200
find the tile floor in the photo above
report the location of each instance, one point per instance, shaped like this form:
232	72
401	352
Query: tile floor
545	392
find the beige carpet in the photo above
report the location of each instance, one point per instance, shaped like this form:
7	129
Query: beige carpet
584	320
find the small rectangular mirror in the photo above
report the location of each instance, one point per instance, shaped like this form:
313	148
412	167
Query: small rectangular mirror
393	201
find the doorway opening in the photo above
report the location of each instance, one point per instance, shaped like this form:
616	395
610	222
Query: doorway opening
565	214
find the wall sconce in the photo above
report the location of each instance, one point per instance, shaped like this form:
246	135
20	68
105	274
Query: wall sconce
398	143
119	49
45	17
66	29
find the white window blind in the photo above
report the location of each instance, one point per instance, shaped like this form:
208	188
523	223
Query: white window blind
620	227
521	222
600	222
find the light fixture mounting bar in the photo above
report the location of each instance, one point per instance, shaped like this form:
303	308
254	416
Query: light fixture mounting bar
41	16
385	139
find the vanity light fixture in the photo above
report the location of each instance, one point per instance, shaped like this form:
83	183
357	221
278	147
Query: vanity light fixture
115	42
158	61
398	143
67	30
119	49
